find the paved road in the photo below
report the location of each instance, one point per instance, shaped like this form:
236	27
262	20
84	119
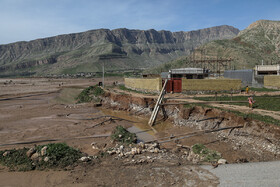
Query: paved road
248	174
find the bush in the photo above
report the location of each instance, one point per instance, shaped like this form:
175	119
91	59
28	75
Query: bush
120	134
60	155
89	94
207	154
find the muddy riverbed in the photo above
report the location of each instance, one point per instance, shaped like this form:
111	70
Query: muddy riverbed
49	112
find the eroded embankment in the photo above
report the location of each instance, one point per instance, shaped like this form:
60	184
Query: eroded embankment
258	138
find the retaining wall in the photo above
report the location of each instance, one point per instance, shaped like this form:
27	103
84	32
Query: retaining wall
210	84
272	81
154	84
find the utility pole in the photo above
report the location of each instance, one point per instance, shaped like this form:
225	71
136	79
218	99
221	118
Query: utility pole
103	75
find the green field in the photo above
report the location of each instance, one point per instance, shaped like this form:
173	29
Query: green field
261	102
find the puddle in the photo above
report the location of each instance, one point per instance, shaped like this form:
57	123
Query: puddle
140	124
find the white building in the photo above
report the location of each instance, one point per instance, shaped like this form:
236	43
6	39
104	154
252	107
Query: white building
267	69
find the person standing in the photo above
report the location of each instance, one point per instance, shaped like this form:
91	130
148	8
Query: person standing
247	89
251	102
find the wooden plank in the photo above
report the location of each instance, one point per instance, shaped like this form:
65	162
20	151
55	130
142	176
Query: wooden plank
156	109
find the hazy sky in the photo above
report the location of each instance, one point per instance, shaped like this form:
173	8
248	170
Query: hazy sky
24	20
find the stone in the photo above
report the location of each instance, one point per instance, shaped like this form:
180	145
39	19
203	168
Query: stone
30	152
156	150
46	159
134	151
121	148
84	159
44	150
142	145
6	153
35	156
222	161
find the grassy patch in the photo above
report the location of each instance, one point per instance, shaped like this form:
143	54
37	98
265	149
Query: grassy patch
208	155
120	134
262	102
90	94
261	89
59	155
263	118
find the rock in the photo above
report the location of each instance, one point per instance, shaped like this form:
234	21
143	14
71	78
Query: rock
46	159
30	152
133	151
35	156
84	159
121	148
6	153
156	150
142	145
94	147
222	161
44	150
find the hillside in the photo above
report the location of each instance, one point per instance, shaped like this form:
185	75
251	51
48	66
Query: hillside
259	42
119	49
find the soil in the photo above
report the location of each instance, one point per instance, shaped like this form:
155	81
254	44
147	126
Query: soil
34	110
40	111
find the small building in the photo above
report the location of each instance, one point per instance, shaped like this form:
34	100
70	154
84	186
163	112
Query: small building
267	69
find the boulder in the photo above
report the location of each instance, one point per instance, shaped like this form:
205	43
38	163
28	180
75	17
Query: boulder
222	161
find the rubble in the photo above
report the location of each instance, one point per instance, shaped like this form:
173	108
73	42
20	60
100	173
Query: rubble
122	151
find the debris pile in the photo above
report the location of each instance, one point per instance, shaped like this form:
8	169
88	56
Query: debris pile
122	151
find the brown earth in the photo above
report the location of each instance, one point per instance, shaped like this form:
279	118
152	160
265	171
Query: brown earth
34	110
44	110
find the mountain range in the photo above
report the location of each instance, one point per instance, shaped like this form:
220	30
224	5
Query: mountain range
258	44
117	49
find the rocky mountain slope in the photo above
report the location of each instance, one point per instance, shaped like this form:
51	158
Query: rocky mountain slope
118	49
258	43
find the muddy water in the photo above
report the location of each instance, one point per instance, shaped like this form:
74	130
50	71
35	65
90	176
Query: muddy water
140	123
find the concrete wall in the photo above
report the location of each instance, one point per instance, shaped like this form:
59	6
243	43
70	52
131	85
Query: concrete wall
154	84
272	81
210	84
246	75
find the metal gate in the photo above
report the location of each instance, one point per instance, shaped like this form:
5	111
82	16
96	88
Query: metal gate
174	85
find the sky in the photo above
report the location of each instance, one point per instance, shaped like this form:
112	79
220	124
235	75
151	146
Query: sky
25	20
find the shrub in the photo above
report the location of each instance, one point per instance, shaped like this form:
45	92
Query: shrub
207	154
60	155
89	94
120	134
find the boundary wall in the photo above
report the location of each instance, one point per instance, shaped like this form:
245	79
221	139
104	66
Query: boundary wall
210	84
153	84
272	81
